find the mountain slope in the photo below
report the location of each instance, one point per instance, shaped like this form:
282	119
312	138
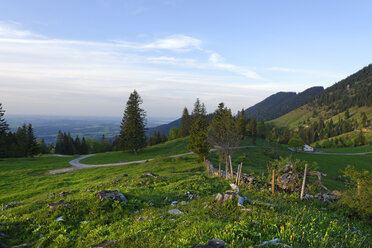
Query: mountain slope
281	103
164	128
344	102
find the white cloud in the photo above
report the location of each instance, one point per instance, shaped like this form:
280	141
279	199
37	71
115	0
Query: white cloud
11	30
216	60
51	76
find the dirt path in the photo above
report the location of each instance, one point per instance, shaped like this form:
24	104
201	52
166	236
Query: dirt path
79	166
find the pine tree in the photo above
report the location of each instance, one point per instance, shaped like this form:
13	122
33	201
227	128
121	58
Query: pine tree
241	122
84	147
32	145
223	132
185	123
3	124
133	124
199	132
3	134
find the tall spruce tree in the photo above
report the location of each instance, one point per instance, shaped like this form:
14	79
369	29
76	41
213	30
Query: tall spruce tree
199	132
32	145
185	123
3	133
132	134
223	133
241	122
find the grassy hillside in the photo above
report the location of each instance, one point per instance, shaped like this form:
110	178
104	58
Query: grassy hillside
145	222
353	94
169	148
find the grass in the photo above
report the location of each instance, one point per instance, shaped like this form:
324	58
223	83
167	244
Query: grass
358	149
162	150
145	222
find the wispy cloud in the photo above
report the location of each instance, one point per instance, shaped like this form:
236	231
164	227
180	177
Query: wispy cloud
217	60
10	29
72	76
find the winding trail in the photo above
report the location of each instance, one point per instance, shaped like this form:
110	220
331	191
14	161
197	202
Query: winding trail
76	165
79	166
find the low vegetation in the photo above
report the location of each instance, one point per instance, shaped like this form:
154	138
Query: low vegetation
83	220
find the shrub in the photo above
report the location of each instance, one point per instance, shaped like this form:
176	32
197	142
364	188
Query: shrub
359	194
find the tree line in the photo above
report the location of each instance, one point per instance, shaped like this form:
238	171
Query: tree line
21	143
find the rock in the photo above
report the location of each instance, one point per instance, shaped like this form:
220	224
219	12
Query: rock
226	196
273	242
149	174
174	203
105	243
213	243
123	175
246	209
190	195
62	194
308	196
234	187
241	200
60	203
182	202
60	218
175	212
140	219
6	206
327	197
111	195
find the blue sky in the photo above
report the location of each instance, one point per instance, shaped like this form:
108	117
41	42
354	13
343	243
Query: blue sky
85	57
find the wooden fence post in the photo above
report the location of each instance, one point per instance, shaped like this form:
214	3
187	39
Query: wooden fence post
273	183
303	184
359	187
240	172
237	175
231	169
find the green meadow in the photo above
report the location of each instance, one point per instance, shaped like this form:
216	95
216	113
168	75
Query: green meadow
144	221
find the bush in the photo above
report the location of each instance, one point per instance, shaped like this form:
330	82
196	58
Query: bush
359	195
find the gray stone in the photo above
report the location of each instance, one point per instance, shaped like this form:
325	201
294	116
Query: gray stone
174	203
190	195
111	195
53	206
149	174
105	243
175	212
213	243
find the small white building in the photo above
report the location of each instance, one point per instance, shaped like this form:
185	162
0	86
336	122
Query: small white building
308	148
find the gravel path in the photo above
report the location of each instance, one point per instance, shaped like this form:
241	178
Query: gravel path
79	166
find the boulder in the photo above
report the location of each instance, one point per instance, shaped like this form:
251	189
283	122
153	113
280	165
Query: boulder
111	195
175	212
174	203
226	196
149	174
327	197
191	195
60	203
105	243
213	243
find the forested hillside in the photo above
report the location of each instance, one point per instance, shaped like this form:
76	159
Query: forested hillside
281	103
341	114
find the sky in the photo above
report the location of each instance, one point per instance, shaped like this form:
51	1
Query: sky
84	58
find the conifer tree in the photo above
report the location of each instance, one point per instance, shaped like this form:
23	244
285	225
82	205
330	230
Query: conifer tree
185	123
32	146
3	134
223	132
133	124
199	132
241	124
